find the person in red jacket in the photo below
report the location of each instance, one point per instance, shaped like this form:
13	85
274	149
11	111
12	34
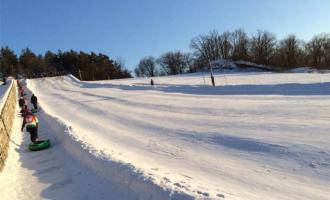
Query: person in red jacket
21	91
32	124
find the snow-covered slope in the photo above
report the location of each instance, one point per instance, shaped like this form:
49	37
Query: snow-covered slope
69	170
254	136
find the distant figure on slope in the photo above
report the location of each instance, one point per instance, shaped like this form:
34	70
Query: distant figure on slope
32	124
34	101
4	79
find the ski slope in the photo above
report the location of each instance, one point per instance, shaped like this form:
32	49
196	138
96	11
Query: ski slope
254	136
68	171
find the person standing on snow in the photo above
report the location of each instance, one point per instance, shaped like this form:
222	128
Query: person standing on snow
4	79
32	124
34	101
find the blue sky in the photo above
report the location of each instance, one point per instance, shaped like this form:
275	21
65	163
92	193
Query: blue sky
132	29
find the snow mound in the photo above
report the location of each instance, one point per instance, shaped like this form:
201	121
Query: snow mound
228	65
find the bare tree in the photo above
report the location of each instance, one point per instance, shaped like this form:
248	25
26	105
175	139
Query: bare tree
289	51
240	42
225	45
326	47
139	72
205	47
173	63
263	47
318	50
212	46
147	67
315	51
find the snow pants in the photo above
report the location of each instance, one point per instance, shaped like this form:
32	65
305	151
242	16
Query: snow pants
35	105
33	134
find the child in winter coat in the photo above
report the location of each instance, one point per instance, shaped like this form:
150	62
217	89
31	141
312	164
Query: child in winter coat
34	101
32	124
21	91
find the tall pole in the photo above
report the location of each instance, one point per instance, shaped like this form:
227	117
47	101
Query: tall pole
79	71
211	72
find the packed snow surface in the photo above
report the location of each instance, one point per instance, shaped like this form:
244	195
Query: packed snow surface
253	136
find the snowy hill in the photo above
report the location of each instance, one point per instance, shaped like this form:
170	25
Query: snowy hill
228	65
231	66
253	136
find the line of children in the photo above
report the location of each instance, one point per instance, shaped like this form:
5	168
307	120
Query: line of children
30	121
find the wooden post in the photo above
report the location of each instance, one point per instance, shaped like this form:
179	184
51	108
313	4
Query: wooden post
211	72
79	71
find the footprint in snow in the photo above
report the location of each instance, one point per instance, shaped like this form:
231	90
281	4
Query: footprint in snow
203	193
166	180
221	195
46	160
186	176
61	184
48	170
181	186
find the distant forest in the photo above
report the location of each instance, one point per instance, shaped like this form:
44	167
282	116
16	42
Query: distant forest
85	66
260	48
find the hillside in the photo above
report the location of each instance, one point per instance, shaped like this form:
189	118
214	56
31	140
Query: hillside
253	136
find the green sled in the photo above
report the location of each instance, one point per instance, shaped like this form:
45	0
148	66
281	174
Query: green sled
39	145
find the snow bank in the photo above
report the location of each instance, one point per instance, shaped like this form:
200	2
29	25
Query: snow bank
227	65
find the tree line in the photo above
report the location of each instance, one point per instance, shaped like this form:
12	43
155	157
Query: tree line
86	66
260	48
